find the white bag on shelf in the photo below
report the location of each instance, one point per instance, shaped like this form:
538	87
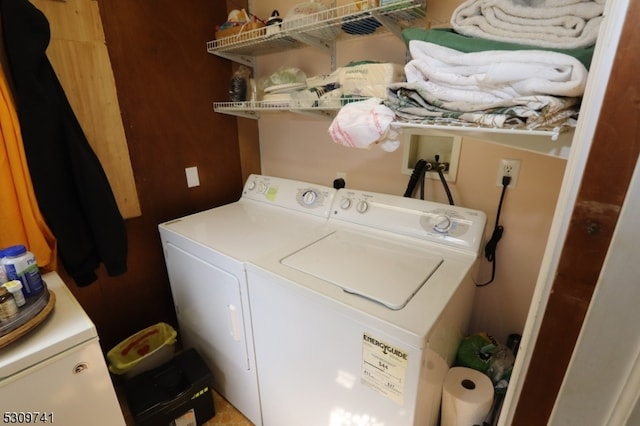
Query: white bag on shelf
369	79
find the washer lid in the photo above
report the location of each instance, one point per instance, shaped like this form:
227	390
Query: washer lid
384	271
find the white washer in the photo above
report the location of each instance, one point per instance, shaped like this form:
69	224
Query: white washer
205	254
357	323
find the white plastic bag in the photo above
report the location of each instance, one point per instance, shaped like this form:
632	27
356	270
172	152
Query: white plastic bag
360	124
369	78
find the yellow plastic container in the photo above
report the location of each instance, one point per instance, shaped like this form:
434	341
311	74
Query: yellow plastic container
147	349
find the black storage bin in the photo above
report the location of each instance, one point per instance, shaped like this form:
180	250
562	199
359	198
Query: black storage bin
176	393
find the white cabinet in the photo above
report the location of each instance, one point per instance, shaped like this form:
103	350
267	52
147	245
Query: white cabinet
71	388
57	373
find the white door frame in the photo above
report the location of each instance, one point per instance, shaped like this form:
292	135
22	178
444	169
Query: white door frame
602	63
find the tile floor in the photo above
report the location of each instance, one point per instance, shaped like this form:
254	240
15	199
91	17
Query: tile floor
226	414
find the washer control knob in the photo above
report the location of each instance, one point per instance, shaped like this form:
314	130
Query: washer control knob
251	185
362	206
309	197
345	203
262	187
441	223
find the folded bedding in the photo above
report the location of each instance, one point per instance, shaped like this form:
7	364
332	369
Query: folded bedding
532	89
496	73
449	38
411	102
544	23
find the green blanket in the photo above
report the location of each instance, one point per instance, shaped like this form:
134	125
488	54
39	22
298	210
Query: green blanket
449	38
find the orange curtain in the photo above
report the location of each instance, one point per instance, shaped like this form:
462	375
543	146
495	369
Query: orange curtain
20	219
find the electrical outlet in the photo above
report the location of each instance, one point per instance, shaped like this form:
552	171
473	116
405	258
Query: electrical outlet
510	168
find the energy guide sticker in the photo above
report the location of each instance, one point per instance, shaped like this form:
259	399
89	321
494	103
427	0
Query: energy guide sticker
384	368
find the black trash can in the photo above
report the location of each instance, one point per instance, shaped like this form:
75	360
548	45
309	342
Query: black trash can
176	393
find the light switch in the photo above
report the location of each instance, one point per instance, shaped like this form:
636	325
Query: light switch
192	177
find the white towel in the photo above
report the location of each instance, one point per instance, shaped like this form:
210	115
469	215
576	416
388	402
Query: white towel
565	24
522	88
489	77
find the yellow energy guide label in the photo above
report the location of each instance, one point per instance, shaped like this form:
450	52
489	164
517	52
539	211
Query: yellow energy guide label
384	368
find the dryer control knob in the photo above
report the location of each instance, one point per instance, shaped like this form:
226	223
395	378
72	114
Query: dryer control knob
309	197
345	203
441	223
251	185
362	206
262	187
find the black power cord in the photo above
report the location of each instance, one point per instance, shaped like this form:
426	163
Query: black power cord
492	244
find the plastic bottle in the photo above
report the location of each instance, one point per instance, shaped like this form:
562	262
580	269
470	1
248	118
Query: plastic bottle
8	306
239	81
15	288
21	264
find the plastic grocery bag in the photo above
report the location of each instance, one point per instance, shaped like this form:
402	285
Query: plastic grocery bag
147	349
360	124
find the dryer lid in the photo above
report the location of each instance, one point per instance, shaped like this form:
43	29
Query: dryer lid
385	271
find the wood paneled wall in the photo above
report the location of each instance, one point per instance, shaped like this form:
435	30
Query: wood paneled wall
166	84
78	53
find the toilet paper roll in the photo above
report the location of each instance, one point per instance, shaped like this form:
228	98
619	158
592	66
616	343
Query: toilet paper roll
467	395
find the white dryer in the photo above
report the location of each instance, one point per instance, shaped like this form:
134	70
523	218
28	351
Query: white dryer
205	254
357	323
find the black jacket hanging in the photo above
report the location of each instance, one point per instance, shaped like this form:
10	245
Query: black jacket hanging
71	187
